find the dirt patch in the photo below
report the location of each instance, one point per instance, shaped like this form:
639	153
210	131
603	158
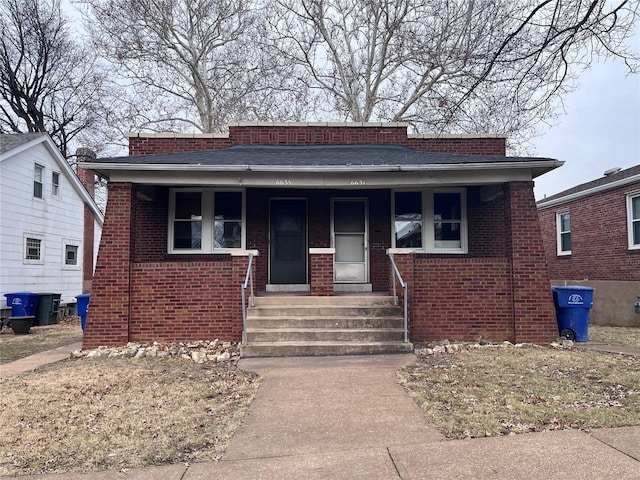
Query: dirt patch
488	392
120	413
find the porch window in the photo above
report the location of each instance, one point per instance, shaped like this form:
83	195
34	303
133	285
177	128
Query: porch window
563	225
408	219
633	215
205	221
431	220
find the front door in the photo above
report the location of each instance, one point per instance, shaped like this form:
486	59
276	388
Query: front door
350	241
288	241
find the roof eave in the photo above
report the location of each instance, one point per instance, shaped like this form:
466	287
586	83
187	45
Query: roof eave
537	167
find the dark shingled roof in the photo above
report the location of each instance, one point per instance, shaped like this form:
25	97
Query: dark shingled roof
602	181
310	155
9	141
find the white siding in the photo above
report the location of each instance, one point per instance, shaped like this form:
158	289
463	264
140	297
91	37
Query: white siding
54	218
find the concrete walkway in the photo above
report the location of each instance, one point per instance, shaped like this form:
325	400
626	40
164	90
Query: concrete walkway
32	362
347	418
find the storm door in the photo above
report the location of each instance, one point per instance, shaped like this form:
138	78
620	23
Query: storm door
350	241
288	241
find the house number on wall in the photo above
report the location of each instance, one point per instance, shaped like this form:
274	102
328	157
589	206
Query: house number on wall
283	182
358	182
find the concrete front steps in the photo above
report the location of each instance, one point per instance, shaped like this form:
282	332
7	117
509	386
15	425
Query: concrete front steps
283	326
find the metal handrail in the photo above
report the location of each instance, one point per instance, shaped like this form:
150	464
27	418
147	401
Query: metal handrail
403	284
248	281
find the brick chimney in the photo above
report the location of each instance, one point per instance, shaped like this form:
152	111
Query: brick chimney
88	179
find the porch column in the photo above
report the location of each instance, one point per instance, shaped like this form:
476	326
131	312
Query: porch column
321	274
109	305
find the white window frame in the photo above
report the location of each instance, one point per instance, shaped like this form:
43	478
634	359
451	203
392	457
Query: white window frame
560	232
428	221
38	168
208	222
630	220
55	185
66	242
33	261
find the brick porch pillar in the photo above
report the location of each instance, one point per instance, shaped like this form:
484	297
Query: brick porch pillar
533	311
109	309
321	274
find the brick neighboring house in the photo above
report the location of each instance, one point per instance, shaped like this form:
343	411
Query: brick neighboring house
322	206
591	237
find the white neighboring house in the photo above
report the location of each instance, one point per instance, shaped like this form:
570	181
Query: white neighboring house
43	210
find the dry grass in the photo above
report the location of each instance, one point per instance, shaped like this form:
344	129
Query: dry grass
119	413
490	392
39	339
624	336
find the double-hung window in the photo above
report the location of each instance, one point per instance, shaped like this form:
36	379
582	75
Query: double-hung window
55	183
38	173
633	223
206	221
563	227
431	220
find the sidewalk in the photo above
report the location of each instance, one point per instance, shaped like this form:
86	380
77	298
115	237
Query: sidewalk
37	360
347	418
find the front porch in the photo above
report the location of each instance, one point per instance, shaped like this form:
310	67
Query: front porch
153	286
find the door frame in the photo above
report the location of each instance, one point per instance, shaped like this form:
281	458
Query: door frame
296	286
367	264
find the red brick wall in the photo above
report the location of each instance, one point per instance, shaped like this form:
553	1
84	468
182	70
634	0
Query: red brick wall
462	299
599	241
182	300
318	135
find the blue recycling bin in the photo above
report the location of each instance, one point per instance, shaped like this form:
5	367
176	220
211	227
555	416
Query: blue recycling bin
83	306
573	304
23	304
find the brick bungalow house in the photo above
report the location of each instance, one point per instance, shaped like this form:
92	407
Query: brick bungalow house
591	236
318	208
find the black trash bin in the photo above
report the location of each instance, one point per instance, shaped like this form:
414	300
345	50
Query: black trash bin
48	308
573	304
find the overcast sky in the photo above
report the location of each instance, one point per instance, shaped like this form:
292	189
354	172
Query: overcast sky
601	129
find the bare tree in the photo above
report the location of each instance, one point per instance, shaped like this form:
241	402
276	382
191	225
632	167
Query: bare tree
450	65
192	64
48	81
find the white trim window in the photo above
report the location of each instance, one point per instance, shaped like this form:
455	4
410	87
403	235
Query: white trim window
55	183
38	186
206	221
563	232
434	220
633	220
33	249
